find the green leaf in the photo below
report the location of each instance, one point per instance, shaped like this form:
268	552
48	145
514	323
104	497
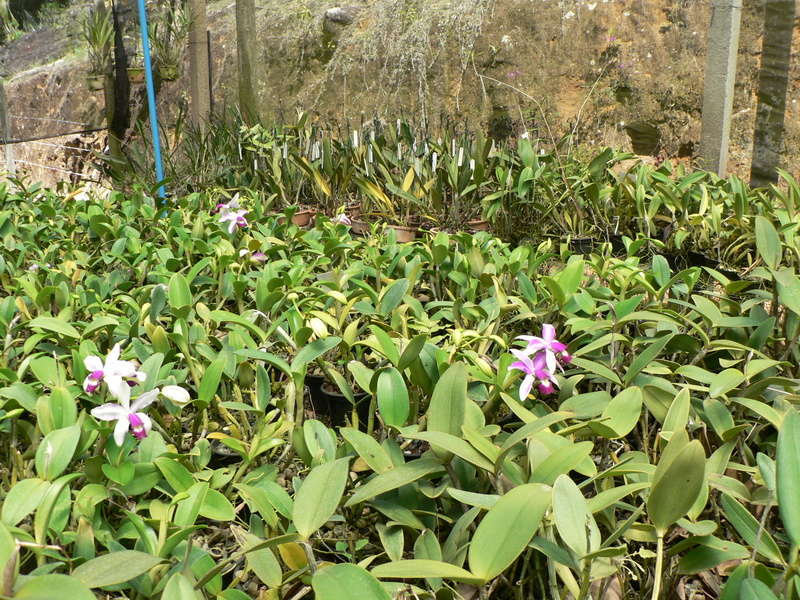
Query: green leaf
42	587
748	527
210	380
55	325
178	476
346	582
412	351
678	413
55	451
263	562
456	445
788	475
393	540
313	351
646	356
755	589
318	497
507	529
397	477
423	569
392	397
788	289
571	515
724	382
217	507
23	499
368	449
179	587
562	461
392	297
178	293
597	368
676	485
114	568
449	401
621	415
768	242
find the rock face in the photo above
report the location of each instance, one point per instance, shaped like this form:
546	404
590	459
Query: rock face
342	15
595	69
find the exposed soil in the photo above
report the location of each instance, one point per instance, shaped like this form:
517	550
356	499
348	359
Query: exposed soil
625	73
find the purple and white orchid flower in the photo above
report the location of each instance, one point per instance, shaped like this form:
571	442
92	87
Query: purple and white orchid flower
119	375
342	219
234	218
231	213
128	416
535	371
549	346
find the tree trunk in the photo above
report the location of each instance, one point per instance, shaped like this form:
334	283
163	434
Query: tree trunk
245	51
773	81
198	63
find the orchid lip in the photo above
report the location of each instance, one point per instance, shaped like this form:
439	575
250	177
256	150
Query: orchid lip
96	375
137	426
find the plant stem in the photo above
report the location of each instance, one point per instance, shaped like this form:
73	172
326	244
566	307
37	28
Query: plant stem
659	567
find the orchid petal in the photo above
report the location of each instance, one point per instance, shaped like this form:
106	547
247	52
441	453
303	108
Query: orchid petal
176	394
557	346
147	423
109	412
525	387
548	333
519	366
551	361
120	429
144	400
93	363
113	356
120	389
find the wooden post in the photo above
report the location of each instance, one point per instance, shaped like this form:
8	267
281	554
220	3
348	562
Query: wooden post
6	130
199	87
720	76
773	82
246	54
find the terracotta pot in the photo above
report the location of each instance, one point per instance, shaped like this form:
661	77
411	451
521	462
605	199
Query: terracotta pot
301	218
359	227
478	225
404	234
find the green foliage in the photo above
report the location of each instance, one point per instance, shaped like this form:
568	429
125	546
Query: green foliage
353	420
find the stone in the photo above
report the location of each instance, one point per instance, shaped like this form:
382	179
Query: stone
342	15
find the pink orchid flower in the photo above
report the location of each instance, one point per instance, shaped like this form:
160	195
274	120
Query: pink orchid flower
549	345
535	370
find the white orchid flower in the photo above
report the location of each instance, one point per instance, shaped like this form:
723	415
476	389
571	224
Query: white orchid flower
176	394
128	416
119	375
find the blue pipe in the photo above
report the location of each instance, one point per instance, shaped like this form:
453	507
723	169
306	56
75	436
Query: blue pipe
151	99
